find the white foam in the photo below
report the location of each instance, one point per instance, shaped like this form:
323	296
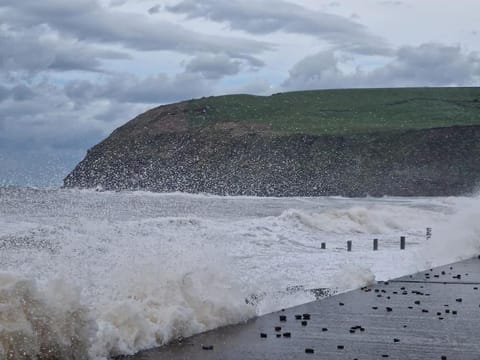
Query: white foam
122	272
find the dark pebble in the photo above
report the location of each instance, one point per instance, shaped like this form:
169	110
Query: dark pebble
278	328
340	347
306	316
263	335
283	318
324	329
287	335
396	340
309	351
207	347
389	309
298	317
304	323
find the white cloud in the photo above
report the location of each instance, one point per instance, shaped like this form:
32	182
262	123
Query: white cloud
428	64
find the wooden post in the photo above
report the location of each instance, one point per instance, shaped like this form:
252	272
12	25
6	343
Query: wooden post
429	233
323	246
375	244
402	242
349	245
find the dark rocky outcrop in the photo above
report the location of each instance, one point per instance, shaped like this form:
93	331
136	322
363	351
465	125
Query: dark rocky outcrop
158	151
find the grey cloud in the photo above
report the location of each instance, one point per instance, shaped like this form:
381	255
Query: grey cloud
213	66
155	9
19	92
316	72
269	16
88	20
430	64
115	3
156	89
4	93
37	49
391	2
424	65
22	93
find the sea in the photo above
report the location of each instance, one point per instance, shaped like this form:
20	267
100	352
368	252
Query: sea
91	274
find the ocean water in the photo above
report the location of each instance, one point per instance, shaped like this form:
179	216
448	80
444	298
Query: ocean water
90	275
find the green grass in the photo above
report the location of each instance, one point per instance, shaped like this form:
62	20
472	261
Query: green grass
338	112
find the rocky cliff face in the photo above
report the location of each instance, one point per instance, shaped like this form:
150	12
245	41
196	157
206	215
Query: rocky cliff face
157	151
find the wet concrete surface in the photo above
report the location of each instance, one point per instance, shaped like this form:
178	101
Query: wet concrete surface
430	315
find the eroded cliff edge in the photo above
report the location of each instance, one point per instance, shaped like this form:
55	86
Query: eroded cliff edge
164	150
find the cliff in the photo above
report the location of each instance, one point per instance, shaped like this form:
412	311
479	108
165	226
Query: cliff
297	144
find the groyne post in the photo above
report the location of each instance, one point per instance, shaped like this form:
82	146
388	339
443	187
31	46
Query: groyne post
349	245
402	242
375	244
323	246
429	233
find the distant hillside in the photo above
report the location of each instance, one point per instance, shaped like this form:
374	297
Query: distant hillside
410	141
343	112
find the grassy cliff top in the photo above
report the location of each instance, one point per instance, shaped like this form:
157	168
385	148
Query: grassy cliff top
343	111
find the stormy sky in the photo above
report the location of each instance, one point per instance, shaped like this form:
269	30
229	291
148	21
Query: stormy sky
72	71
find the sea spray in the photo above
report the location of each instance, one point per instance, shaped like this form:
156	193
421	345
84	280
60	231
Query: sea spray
458	237
48	322
108	273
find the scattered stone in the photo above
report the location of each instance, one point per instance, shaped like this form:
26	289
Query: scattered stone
283	318
207	347
287	335
309	351
263	335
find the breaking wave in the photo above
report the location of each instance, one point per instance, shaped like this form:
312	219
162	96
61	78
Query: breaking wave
89	275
